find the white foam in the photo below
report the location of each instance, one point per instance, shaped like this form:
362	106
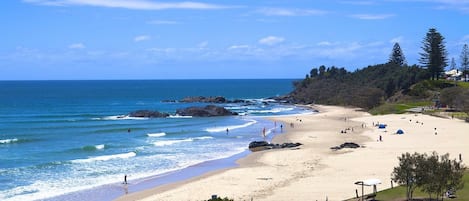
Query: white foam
156	134
7	141
171	142
274	110
179	117
122	117
232	127
105	157
99	146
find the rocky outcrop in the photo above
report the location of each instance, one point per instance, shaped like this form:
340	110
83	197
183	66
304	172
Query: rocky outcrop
263	145
207	111
209	99
351	145
148	114
202	99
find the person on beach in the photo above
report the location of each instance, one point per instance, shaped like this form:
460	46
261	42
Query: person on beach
227	131
128	130
125	179
281	127
380	138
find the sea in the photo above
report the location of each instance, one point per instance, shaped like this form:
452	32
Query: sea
58	138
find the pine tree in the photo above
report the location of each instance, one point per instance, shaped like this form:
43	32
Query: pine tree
397	56
434	53
465	60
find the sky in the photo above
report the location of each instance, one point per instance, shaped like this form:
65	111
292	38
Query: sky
207	39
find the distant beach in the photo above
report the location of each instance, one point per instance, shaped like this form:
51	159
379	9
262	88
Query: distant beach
316	172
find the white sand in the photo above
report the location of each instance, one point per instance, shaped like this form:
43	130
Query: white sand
314	171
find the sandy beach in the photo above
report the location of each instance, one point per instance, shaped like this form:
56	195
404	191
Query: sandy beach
314	171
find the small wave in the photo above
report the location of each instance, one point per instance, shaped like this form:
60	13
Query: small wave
156	134
274	110
8	141
105	157
120	117
179	117
171	142
232	127
93	147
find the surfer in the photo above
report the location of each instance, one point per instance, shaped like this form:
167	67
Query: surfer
227	131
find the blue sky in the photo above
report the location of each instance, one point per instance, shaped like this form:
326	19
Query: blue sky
150	39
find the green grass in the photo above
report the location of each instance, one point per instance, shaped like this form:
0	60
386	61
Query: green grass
463	84
399	193
397	108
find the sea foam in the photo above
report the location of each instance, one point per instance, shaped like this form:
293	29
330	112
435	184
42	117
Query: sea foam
8	141
171	142
231	127
105	157
156	134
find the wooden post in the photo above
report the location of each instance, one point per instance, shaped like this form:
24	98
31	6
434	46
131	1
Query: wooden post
356	192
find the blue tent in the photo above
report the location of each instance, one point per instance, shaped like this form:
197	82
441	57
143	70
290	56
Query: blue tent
400	132
382	126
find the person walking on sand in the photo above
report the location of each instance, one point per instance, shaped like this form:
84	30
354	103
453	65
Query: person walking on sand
380	138
263	132
125	179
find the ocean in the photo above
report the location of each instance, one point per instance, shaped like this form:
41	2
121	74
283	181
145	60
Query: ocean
60	137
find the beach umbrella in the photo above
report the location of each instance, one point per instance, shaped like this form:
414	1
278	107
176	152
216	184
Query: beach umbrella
400	132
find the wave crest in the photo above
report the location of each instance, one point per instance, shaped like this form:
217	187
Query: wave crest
106	157
232	127
156	134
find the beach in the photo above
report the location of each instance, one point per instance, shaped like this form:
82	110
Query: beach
314	171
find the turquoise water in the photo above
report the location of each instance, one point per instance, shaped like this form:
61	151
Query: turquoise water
58	137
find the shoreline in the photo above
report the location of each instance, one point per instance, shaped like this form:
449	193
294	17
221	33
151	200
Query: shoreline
315	171
250	160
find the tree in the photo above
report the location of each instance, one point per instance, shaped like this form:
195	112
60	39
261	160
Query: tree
397	56
434	53
313	73
465	60
405	173
453	64
434	174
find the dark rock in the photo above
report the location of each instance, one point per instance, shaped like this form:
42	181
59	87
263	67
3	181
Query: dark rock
351	145
207	111
169	101
263	145
148	114
202	99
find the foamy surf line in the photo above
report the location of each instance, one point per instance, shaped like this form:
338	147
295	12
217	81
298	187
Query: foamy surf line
230	127
105	157
8	141
156	134
171	142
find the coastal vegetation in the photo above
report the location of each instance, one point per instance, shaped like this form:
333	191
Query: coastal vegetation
392	87
433	174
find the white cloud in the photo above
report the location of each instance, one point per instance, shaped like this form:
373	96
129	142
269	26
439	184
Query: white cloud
160	22
203	44
77	46
235	47
141	38
397	40
372	17
325	43
359	2
271	40
130	4
290	12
